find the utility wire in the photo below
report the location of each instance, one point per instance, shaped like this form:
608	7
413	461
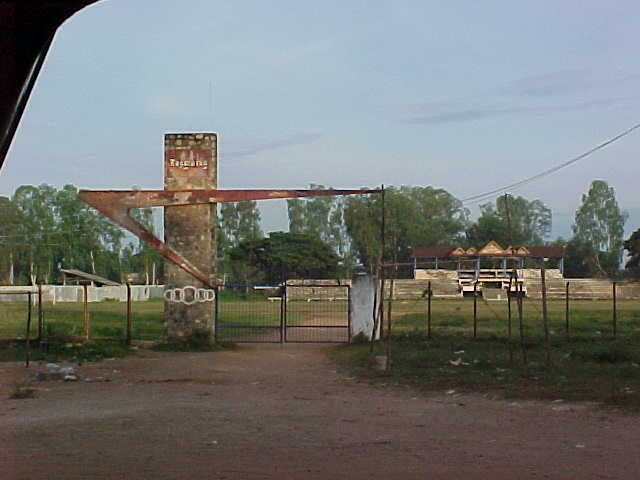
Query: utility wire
485	196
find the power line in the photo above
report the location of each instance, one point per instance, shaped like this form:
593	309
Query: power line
485	196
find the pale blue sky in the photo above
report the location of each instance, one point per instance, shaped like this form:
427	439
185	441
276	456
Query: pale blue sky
466	95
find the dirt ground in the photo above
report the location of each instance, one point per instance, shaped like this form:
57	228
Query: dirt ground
271	411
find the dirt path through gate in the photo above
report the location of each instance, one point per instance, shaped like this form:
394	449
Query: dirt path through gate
271	411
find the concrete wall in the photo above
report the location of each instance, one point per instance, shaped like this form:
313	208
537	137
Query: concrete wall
73	293
363	306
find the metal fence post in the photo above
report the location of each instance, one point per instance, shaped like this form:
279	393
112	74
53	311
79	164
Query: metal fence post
28	334
85	312
566	312
475	310
429	295
283	315
215	313
40	315
129	319
545	317
615	311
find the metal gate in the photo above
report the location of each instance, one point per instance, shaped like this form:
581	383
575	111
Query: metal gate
298	314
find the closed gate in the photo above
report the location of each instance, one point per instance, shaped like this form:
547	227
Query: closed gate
300	314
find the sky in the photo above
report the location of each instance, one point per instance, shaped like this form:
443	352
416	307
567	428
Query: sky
467	96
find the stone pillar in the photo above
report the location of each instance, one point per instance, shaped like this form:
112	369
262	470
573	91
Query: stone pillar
190	162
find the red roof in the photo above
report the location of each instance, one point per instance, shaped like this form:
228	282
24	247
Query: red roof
445	252
431	252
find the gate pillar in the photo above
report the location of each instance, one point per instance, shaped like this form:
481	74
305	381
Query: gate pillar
190	162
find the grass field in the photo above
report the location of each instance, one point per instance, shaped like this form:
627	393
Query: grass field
588	365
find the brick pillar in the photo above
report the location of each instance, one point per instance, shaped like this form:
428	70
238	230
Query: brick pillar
190	162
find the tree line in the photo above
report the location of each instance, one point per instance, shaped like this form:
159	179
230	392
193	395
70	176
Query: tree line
44	229
351	229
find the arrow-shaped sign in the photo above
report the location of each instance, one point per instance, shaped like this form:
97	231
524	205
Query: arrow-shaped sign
115	204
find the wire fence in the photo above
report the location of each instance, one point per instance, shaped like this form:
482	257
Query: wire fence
79	320
519	322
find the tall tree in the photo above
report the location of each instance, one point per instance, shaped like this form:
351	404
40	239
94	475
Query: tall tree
312	216
288	255
238	222
10	221
512	221
415	216
632	245
599	226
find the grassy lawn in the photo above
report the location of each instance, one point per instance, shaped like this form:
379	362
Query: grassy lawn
106	319
590	365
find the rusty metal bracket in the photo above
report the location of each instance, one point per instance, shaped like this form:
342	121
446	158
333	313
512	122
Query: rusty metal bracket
115	204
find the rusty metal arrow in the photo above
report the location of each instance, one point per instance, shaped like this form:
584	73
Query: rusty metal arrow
115	204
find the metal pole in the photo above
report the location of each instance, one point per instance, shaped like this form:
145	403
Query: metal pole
85	312
389	323
40	316
545	317
349	307
566	312
475	310
129	318
509	327
216	311
28	334
283	317
523	345
429	295
615	311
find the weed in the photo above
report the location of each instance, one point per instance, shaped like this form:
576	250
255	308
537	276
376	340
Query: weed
23	390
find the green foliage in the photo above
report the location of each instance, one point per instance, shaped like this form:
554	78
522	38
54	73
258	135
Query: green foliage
323	218
288	255
23	390
598	231
48	228
238	222
512	221
632	245
415	216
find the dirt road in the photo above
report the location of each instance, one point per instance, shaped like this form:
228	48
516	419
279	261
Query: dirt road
284	412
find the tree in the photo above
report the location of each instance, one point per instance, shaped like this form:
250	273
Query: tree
512	221
286	255
142	259
632	245
415	216
10	220
598	229
238	222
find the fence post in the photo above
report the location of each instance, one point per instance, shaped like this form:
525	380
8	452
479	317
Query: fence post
129	318
40	315
615	311
509	327
389	323
429	295
523	345
545	317
28	334
85	312
566	312
475	309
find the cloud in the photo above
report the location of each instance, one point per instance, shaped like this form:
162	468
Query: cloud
564	82
255	148
530	95
455	113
